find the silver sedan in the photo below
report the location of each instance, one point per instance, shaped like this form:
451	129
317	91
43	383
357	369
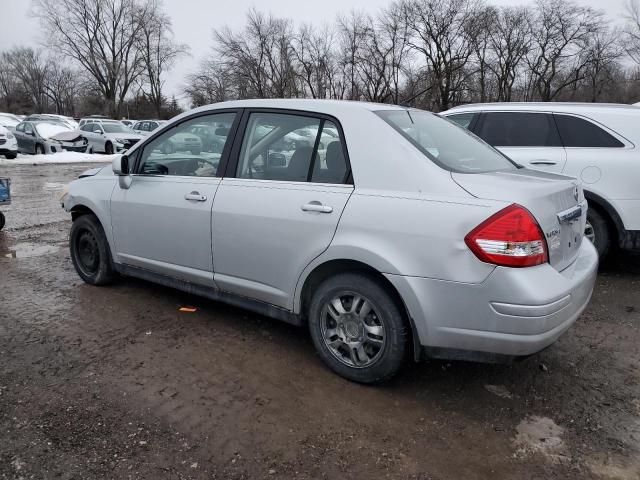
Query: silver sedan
406	237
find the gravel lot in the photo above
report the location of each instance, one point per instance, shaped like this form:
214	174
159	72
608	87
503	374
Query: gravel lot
116	382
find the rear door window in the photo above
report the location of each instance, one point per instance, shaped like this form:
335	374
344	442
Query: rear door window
518	129
578	132
292	148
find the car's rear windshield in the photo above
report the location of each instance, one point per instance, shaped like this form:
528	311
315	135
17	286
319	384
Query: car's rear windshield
446	144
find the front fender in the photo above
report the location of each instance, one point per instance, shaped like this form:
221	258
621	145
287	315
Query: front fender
94	193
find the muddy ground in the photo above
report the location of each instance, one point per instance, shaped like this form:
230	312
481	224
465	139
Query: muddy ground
116	382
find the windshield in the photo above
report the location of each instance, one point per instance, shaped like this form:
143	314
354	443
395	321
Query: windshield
446	144
48	130
115	128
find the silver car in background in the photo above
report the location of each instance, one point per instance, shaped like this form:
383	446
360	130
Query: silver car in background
45	136
406	236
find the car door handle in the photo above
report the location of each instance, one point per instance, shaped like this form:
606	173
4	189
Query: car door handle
196	197
316	207
542	162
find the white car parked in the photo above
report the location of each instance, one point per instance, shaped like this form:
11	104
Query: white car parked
8	144
108	136
596	143
9	121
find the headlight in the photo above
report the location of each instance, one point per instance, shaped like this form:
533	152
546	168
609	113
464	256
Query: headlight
53	140
10	136
121	140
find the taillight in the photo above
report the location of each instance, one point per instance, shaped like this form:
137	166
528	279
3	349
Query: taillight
511	238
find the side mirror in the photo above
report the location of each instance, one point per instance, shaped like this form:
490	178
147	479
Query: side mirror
120	165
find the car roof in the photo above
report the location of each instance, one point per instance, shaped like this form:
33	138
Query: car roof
304	104
544	107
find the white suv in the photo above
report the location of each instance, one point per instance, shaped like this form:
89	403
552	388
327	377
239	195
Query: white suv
596	143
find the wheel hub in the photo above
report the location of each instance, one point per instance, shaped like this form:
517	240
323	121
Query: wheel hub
352	329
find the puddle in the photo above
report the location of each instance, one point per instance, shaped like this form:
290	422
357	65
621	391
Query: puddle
26	250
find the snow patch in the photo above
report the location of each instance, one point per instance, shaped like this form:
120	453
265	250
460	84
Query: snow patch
60	157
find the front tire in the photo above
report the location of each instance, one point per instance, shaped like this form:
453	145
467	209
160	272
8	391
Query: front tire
108	148
2	220
357	328
11	155
39	149
598	231
90	252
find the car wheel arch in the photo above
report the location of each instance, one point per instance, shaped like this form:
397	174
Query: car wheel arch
596	202
332	267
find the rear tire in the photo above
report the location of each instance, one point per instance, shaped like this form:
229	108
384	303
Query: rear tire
367	341
2	220
598	231
90	252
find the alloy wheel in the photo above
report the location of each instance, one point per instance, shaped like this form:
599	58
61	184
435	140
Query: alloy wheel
352	329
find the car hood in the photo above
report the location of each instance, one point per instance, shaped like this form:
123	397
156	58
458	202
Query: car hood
72	136
91	172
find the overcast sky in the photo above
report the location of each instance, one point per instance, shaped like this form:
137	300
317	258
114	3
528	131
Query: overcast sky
193	21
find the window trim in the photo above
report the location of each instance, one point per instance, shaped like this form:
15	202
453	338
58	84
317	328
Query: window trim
232	165
625	143
140	146
483	115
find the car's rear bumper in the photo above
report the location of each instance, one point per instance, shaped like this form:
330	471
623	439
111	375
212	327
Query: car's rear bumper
514	312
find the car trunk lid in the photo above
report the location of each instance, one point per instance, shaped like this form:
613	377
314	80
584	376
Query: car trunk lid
557	203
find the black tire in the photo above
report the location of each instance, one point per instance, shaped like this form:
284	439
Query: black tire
11	155
90	252
601	235
385	312
2	220
108	148
39	149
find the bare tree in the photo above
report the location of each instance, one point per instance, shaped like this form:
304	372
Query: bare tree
315	60
261	57
440	32
158	51
510	41
30	68
561	35
211	84
102	36
62	87
632	30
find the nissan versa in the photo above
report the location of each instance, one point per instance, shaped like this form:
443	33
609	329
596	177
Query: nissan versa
389	232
